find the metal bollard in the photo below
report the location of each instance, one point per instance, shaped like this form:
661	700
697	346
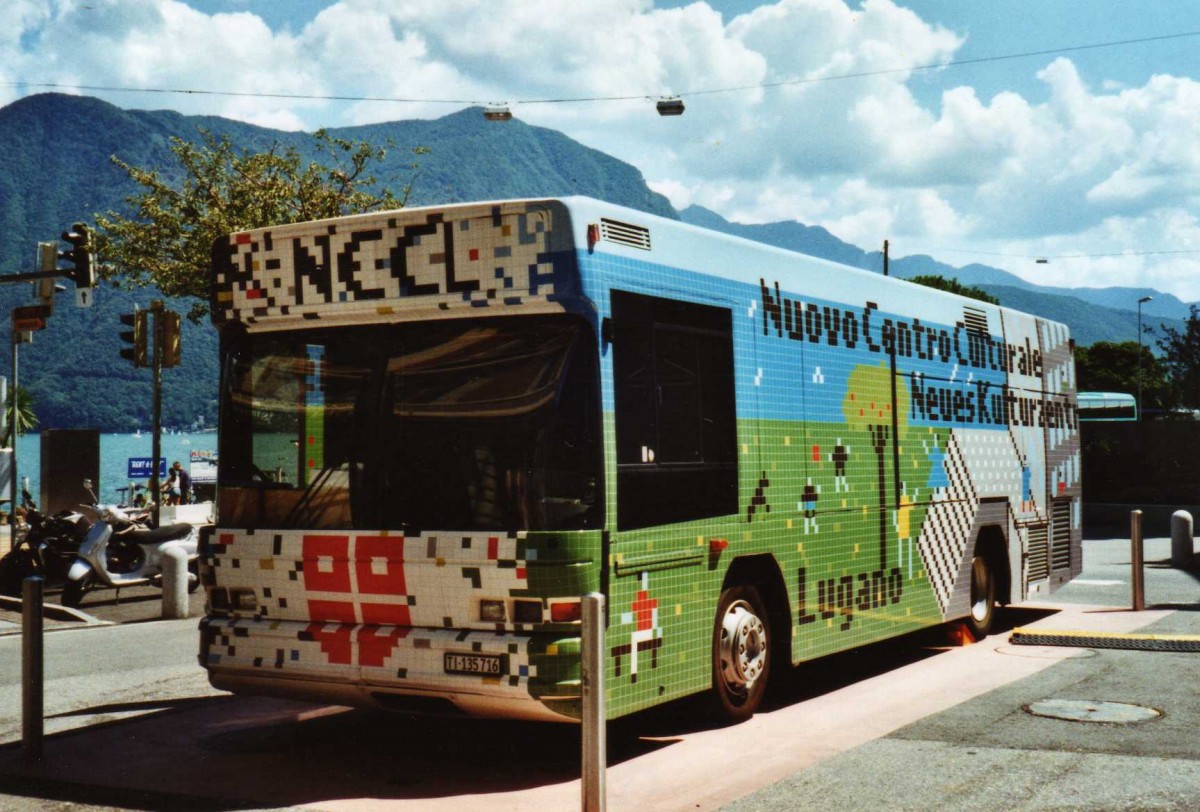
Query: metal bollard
592	721
1139	583
32	675
1181	539
175	583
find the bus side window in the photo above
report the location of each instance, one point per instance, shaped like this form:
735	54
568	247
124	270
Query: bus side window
675	412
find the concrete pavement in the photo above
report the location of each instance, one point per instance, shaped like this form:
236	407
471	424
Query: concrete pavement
992	753
921	731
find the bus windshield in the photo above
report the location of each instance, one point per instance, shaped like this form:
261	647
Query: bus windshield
470	424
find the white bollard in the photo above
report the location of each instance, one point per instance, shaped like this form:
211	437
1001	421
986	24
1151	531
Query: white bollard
174	583
1181	539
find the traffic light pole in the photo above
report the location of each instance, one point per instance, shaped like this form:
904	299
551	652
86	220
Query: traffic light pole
16	483
156	308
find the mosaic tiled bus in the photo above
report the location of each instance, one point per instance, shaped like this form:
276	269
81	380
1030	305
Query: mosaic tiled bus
441	426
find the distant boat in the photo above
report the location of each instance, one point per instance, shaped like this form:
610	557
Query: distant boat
137	433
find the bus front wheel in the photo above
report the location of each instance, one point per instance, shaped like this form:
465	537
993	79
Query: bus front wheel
983	598
741	653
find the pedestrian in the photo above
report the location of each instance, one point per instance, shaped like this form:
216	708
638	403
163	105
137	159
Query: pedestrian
171	489
185	483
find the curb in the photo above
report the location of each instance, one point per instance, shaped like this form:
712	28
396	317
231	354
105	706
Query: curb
54	611
1138	642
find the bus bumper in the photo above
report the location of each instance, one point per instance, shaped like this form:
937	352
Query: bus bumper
479	673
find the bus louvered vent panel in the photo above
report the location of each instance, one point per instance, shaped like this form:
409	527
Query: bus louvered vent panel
1060	521
625	234
975	320
1039	554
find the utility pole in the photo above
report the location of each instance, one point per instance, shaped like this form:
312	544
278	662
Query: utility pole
885	257
82	271
154	342
156	309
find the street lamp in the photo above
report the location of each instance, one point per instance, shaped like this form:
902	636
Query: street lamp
1140	302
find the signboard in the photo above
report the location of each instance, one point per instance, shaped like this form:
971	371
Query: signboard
202	465
142	467
29	318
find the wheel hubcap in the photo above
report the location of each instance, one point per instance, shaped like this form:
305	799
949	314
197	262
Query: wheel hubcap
743	647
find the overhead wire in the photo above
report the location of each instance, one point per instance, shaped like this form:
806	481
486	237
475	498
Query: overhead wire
1065	256
953	63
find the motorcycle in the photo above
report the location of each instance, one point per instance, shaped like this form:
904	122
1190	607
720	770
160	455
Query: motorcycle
122	550
46	548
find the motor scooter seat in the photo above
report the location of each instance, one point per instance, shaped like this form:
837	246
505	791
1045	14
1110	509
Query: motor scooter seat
159	535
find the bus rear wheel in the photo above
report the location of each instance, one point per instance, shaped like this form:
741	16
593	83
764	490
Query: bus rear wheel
741	653
983	598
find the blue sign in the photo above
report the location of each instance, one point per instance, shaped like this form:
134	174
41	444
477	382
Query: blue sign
143	467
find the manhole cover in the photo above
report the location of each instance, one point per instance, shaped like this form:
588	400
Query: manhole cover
1083	710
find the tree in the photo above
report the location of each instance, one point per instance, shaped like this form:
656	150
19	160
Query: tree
954	286
1181	354
1108	366
168	240
26	419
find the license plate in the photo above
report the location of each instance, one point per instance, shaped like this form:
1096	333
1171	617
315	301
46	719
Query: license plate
488	664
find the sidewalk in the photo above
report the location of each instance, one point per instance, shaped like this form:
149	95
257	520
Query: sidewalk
992	752
53	617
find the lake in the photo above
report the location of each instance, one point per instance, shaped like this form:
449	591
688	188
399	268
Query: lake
115	451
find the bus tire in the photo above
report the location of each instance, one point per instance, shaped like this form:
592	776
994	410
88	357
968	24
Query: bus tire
741	654
982	599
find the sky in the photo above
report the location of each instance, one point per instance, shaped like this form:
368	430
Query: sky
877	119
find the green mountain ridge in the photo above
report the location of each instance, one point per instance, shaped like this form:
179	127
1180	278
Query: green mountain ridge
1093	314
59	170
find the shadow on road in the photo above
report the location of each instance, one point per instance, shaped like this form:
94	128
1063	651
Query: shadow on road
249	751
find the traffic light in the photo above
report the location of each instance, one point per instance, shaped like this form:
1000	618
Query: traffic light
136	337
82	271
169	336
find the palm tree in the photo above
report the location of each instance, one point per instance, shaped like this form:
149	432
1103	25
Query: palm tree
26	419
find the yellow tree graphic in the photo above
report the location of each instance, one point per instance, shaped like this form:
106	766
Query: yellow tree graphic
876	404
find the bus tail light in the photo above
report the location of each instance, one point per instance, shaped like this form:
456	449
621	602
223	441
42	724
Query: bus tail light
243	600
218	600
492	611
527	611
566	612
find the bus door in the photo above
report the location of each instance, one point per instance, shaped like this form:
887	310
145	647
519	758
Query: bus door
677	478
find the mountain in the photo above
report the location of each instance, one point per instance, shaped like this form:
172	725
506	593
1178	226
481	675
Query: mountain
793	236
58	169
1093	314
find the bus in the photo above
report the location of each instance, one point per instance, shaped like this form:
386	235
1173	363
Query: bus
441	426
1107	407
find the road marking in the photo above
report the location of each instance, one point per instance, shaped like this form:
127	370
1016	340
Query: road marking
1083	582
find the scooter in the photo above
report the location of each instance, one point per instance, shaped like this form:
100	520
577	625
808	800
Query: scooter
122	550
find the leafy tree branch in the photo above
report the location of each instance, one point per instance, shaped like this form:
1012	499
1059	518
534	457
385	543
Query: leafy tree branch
217	189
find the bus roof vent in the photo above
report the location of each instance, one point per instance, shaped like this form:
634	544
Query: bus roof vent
975	320
625	234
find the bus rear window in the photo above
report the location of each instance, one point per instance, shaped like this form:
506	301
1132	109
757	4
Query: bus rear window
456	425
